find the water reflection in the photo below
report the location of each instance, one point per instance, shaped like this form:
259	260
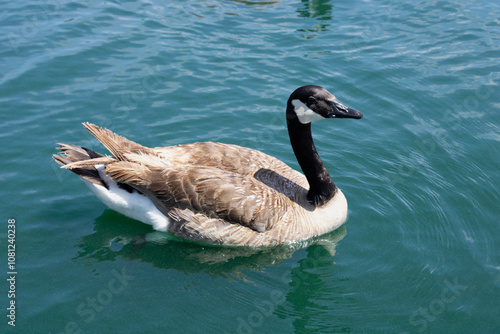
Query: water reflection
308	287
318	9
253	3
117	236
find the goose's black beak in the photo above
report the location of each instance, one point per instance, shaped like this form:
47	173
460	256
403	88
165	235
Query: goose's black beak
342	111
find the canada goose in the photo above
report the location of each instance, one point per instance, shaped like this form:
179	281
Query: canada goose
220	193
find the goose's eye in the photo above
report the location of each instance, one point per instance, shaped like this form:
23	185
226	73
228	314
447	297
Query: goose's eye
311	99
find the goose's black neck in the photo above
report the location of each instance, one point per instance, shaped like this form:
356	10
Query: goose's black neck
321	186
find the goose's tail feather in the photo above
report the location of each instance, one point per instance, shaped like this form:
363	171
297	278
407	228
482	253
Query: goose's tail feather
117	145
72	153
82	161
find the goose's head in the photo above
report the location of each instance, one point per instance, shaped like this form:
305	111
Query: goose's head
311	103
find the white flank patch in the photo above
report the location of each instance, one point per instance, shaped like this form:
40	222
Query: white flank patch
133	205
305	114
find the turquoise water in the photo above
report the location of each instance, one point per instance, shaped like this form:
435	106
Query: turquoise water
420	250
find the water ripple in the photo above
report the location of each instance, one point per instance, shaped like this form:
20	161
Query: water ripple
420	170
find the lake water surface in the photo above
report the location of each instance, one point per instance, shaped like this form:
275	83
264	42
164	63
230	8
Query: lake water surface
420	251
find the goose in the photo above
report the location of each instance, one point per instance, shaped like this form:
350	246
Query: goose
222	194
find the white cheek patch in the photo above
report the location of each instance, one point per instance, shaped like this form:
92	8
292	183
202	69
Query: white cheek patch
304	114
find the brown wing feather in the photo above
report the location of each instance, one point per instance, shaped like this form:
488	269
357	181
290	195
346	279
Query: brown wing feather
235	198
240	160
234	158
217	181
219	194
198	227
